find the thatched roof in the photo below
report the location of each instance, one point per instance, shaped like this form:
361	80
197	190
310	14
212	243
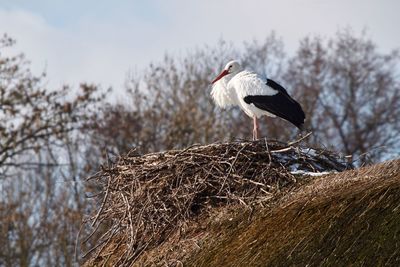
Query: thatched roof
344	219
146	199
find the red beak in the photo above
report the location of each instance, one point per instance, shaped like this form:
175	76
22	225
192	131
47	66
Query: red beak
222	74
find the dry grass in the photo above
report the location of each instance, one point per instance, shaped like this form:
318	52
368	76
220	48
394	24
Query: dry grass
345	219
146	199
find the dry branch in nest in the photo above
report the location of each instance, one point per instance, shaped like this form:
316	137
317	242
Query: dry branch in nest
146	198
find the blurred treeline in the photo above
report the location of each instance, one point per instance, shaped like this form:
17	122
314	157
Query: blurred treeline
51	139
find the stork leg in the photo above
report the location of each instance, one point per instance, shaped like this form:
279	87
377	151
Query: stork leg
255	128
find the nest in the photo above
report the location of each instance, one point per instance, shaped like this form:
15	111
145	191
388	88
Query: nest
144	199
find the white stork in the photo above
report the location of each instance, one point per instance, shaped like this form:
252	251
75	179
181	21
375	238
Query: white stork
255	95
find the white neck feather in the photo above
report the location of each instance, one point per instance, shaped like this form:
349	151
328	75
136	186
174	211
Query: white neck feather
223	95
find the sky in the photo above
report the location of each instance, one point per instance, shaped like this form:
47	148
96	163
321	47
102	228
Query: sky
101	41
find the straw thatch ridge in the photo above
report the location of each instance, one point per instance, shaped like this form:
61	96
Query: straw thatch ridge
145	199
344	219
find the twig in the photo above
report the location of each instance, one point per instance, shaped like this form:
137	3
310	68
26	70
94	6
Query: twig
300	139
103	202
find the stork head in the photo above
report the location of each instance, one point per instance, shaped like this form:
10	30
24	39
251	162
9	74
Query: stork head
231	67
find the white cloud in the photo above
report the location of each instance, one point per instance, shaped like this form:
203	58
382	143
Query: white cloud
101	49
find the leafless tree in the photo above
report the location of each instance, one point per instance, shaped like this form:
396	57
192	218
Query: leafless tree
350	92
32	116
42	199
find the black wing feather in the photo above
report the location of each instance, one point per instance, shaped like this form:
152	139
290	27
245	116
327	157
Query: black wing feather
280	104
